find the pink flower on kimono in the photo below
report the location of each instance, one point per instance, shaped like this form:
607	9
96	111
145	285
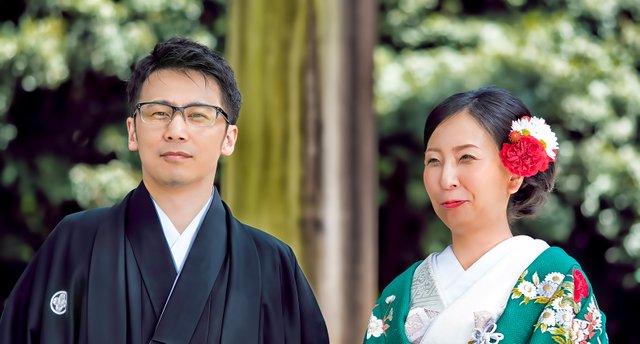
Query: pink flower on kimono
581	288
579	332
594	318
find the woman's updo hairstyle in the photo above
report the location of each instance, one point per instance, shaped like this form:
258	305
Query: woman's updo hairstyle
495	109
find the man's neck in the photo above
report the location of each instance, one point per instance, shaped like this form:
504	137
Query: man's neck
181	204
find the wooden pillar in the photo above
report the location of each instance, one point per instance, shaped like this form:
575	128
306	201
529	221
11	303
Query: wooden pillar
348	261
307	66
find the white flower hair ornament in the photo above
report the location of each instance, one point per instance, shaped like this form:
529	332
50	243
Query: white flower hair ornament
532	146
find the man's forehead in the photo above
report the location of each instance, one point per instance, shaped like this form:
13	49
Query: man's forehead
161	75
183	85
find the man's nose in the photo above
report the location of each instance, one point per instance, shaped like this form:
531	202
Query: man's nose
177	129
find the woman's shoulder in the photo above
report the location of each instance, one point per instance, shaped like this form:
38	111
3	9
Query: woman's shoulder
554	259
402	281
555	252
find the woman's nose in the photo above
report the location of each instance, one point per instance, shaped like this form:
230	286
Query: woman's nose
449	177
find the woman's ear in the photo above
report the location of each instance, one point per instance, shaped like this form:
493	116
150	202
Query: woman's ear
515	182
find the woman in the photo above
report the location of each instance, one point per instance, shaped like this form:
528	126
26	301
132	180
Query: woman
488	161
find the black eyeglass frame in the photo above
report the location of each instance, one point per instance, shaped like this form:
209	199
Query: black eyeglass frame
174	109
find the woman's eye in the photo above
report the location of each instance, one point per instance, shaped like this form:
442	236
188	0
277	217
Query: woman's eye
431	161
467	157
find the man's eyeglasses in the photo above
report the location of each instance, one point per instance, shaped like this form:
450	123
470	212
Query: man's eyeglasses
160	114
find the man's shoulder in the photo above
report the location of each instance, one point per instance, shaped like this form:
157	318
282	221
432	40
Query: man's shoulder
89	218
263	238
266	243
80	226
69	244
88	215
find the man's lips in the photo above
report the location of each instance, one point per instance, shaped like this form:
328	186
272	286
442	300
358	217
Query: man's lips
453	203
175	155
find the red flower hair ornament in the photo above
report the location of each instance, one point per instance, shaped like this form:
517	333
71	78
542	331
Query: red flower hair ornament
531	147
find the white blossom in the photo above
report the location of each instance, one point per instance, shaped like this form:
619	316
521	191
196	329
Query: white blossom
390	299
548	317
375	327
564	317
547	288
554	277
527	289
539	129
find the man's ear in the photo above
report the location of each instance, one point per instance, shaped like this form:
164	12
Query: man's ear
515	182
132	137
229	142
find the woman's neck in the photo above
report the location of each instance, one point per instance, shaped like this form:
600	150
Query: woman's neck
470	246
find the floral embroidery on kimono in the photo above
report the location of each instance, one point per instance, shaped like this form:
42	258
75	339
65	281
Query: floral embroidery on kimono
550	302
378	327
563	318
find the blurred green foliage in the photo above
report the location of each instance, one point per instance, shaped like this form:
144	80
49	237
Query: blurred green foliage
574	63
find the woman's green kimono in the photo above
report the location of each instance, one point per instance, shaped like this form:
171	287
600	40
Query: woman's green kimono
552	302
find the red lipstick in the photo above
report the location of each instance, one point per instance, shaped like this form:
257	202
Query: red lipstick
453	204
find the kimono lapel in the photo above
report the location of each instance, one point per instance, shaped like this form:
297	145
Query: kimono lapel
106	299
244	300
196	281
489	294
150	248
222	248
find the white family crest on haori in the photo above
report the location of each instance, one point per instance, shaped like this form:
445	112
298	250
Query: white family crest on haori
58	302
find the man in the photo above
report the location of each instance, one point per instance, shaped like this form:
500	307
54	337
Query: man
170	263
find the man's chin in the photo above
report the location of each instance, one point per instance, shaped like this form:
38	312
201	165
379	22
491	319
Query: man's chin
185	181
176	181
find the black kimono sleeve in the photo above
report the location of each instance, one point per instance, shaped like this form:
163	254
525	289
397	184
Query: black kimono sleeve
47	303
289	310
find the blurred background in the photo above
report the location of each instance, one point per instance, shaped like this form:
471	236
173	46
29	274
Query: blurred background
329	157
